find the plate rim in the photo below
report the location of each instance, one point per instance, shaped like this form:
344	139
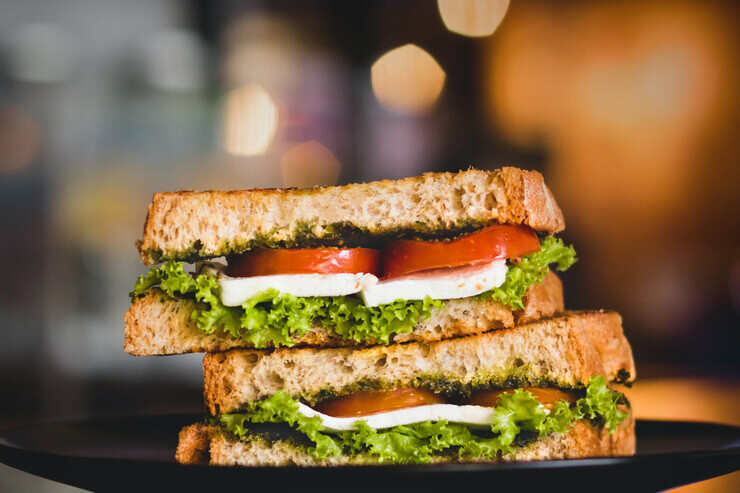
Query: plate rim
95	472
553	463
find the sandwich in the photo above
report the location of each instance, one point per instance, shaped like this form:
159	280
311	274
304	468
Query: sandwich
420	259
394	322
541	390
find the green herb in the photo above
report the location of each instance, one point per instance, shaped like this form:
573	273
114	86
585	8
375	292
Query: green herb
516	412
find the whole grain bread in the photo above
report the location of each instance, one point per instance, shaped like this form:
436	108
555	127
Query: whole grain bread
156	324
190	225
203	444
565	351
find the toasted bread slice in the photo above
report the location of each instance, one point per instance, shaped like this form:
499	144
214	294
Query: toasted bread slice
565	351
193	225
203	444
157	324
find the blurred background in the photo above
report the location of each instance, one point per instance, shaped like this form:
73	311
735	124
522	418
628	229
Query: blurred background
629	109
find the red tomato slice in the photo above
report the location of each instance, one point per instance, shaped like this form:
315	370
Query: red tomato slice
495	242
377	401
266	262
546	396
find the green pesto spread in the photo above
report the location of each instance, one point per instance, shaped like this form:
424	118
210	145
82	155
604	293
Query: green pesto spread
313	234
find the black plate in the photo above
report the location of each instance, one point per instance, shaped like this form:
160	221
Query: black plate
136	453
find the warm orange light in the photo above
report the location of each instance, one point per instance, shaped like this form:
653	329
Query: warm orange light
407	79
473	18
691	399
635	102
612	110
309	164
250	120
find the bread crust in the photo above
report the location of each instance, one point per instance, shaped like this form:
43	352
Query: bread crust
188	225
582	440
566	351
194	443
156	324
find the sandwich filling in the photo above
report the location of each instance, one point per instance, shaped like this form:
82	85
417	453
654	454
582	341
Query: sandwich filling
414	425
437	284
273	297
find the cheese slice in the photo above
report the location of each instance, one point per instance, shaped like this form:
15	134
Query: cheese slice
237	290
469	415
438	284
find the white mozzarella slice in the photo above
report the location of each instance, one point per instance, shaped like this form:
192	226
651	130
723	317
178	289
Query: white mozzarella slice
469	415
438	284
237	290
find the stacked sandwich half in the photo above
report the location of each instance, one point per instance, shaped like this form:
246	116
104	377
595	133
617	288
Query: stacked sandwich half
409	321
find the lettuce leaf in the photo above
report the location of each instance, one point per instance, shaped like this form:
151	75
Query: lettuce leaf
530	270
600	403
281	408
277	319
273	318
516	412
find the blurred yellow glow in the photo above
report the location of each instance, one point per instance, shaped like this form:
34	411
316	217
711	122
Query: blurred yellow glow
407	79
472	17
100	210
250	120
690	399
309	164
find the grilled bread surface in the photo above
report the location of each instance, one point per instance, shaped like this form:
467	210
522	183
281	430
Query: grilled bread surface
564	351
191	225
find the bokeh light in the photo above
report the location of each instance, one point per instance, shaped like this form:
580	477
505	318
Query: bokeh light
473	18
19	139
175	60
261	48
309	164
647	101
41	53
407	80
250	120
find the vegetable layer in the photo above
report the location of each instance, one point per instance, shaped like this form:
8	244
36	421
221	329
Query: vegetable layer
518	413
273	318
